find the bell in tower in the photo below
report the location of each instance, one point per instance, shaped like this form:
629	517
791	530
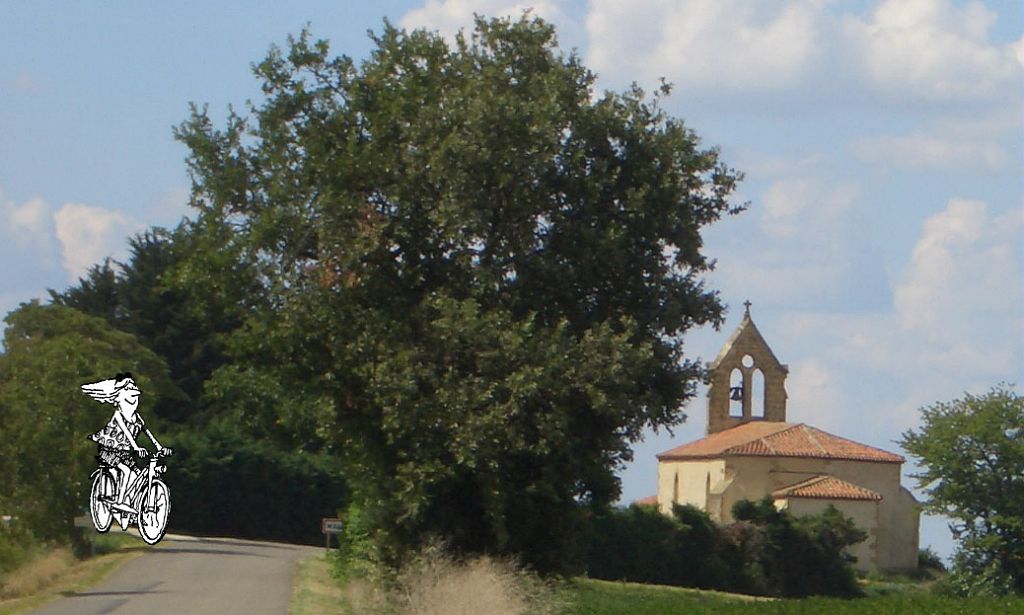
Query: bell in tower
746	381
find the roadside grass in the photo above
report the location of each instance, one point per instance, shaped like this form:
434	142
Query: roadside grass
468	587
315	590
49	573
430	583
592	597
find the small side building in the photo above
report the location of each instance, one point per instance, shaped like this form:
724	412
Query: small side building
751	451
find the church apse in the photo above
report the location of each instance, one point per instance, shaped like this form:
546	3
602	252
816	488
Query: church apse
746	381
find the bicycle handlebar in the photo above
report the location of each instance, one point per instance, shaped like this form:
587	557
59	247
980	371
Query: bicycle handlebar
165	452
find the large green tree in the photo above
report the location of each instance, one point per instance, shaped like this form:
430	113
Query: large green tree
45	457
971	451
480	273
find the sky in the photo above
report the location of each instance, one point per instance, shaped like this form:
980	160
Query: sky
882	144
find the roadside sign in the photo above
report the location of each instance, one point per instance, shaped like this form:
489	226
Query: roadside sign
328	526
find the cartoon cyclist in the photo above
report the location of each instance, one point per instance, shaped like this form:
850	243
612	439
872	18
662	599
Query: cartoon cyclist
117	440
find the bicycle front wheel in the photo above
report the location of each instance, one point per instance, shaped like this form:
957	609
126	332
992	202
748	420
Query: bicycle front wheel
154	510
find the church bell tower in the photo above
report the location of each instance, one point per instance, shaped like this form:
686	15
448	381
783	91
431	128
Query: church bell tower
746	381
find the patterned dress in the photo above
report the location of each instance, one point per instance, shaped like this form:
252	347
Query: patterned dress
114	446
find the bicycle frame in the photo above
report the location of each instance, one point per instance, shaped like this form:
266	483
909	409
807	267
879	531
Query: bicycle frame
143	480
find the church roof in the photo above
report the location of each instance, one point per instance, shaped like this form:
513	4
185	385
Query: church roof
776	439
828	488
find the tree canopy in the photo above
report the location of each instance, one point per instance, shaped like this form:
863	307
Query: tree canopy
478	273
971	451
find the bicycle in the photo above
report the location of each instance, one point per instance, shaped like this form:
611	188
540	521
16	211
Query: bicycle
147	500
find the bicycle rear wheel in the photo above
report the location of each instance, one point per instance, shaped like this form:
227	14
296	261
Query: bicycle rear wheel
103	488
153	518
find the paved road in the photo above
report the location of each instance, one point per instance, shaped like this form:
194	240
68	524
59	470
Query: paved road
186	576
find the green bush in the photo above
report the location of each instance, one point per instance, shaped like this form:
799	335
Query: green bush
930	560
16	547
356	556
785	556
765	552
640	544
224	483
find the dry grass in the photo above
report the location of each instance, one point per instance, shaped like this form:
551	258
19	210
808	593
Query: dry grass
435	584
48	575
36	574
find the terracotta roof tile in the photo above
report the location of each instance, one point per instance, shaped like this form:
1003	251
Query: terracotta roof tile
828	488
651	500
774	439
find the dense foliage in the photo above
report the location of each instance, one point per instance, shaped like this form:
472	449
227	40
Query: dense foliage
794	557
971	451
478	272
641	544
226	483
765	552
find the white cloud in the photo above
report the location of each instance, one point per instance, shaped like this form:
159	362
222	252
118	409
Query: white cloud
720	44
920	151
933	50
965	270
89	234
27	223
795	204
957	312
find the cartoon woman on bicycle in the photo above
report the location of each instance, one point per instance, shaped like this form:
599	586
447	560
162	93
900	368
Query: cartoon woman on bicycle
117	440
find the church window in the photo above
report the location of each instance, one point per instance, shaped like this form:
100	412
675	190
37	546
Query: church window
748	361
736	391
757	395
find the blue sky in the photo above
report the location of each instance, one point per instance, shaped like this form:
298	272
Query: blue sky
882	143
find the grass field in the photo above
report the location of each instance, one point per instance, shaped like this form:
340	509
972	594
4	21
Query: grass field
591	597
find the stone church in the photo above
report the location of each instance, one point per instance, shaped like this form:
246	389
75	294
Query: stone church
750	451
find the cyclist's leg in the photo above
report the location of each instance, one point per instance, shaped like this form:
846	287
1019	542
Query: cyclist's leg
124	474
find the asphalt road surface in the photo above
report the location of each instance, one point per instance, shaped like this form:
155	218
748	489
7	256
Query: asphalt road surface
192	576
